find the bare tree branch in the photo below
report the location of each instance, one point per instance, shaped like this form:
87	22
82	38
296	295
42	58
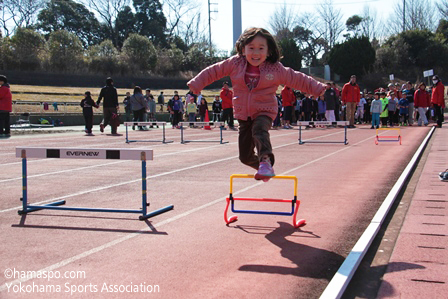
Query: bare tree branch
443	8
284	17
332	24
21	13
418	15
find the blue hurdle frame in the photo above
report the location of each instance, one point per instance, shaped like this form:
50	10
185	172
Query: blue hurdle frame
27	208
127	124
312	123
209	124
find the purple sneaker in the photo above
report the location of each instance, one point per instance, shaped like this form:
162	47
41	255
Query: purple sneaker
265	171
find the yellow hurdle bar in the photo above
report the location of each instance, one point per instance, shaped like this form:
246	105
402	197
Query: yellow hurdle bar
277	177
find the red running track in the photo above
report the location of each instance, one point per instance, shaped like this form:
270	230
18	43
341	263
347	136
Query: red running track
190	252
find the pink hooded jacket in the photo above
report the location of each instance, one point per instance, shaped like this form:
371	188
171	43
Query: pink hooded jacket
260	100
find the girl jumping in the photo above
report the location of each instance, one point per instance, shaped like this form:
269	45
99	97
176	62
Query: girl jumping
256	74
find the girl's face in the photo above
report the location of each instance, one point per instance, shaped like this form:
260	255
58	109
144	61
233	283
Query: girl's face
256	51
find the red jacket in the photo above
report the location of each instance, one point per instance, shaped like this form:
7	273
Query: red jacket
438	95
226	95
421	99
5	98
351	93
288	97
261	100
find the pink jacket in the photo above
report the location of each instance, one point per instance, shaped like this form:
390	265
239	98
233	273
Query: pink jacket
260	100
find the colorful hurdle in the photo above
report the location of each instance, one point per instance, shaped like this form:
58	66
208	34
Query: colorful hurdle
294	202
396	138
78	153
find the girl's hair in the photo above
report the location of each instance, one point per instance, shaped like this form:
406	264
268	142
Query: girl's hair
248	36
137	89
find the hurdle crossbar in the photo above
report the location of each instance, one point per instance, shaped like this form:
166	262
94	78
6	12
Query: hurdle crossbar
157	123
214	124
383	138
295	203
322	123
78	153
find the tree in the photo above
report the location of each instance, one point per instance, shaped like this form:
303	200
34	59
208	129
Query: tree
369	23
410	52
282	18
443	8
178	12
108	11
353	24
125	25
331	23
354	56
72	17
20	13
140	53
442	31
65	51
104	58
417	15
27	48
291	54
150	20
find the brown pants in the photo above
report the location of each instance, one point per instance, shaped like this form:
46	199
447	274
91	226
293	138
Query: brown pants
350	112
255	134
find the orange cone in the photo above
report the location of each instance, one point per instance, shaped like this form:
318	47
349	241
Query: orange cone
207	120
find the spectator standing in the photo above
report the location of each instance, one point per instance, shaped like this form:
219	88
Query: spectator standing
288	98
360	109
298	107
330	100
127	106
161	101
403	104
5	107
392	108
191	109
376	108
87	105
350	97
151	108
110	104
177	111
55	106
321	108
385	111
276	124
307	108
410	97
421	102
438	99
138	104
203	108
226	96
337	107
217	109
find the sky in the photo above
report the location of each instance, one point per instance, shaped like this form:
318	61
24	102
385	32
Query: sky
256	13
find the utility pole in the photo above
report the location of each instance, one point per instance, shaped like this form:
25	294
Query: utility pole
237	23
210	26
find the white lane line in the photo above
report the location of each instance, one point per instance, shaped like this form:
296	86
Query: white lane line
337	285
169	220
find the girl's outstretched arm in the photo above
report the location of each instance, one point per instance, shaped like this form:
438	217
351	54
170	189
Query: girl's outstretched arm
211	74
302	82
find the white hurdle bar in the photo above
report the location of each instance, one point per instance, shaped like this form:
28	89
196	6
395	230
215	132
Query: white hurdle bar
79	153
322	123
197	123
157	123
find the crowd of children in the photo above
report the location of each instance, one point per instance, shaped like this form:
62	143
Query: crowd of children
396	105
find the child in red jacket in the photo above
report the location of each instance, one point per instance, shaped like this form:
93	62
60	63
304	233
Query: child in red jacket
256	73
